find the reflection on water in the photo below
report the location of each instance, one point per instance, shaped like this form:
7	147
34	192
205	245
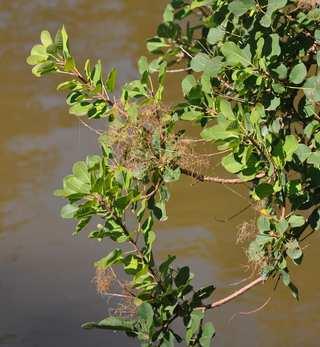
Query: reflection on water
45	274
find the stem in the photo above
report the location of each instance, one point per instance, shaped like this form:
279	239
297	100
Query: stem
201	178
236	294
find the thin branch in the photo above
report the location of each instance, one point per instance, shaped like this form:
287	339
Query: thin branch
236	294
202	178
118	295
179	70
89	127
253	311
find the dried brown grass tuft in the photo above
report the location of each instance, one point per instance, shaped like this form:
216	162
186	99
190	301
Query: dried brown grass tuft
132	140
189	159
126	308
103	280
246	231
308	4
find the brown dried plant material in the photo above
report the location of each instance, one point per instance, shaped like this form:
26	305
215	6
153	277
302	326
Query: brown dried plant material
189	159
126	308
308	4
246	231
132	139
103	280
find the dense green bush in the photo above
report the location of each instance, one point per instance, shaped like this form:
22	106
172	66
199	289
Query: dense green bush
251	83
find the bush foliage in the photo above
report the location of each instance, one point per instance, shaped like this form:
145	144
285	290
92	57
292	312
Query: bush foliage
249	76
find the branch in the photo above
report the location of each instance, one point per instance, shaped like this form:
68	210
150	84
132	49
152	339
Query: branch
201	178
179	70
237	293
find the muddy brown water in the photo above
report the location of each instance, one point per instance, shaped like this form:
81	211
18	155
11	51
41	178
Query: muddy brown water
45	274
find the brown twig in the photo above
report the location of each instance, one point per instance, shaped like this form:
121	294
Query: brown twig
237	293
202	178
90	127
179	70
251	312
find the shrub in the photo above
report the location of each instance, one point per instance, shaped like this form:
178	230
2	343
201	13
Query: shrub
251	84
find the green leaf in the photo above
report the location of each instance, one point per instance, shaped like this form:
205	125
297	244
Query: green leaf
296	221
215	35
208	333
257	114
263	224
235	55
70	64
264	190
282	226
112	258
226	109
65	45
188	83
168	14
203	293
312	88
96	73
111	80
293	250
275	103
298	74
122	202
112	323
204	63
132	265
68	85
68	211
287	282
192	115
206	83
171	175
168	340
218	132
39	50
240	7
156	44
44	68
290	146
145	313
318	58
273	5
80	170
74	185
194	325
83	222
80	109
314	159
231	164
46	38
182	277
281	71
199	3
275	45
